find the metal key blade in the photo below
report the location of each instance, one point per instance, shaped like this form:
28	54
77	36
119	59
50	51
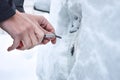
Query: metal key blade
52	35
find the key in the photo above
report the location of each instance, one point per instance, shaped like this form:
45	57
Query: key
52	35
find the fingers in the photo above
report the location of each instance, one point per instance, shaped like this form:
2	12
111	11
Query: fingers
53	40
49	28
45	26
20	45
14	45
26	41
31	33
48	39
44	23
45	41
36	37
39	34
32	39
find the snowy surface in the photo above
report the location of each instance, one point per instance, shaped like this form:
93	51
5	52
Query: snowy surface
97	47
16	65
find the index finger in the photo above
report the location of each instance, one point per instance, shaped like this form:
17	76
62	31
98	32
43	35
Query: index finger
44	23
49	28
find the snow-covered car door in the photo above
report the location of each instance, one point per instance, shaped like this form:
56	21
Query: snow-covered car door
90	51
66	17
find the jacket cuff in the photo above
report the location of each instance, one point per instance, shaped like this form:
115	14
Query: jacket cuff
19	5
6	11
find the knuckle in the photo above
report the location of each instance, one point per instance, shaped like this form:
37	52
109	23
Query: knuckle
40	39
18	34
42	17
42	35
30	28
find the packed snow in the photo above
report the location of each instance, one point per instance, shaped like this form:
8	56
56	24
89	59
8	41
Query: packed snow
95	46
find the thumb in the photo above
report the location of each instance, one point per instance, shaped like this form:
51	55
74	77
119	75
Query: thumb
14	45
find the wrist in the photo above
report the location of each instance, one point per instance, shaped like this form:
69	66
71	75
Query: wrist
7	18
8	21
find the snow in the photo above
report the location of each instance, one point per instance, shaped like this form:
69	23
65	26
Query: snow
16	65
97	42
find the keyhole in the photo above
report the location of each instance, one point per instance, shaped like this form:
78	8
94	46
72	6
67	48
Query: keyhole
75	17
72	50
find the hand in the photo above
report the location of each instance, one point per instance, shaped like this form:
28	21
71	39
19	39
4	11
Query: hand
26	29
45	26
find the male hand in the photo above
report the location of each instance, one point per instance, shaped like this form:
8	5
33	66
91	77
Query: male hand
28	30
46	27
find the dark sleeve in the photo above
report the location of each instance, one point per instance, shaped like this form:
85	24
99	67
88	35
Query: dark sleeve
7	9
19	5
